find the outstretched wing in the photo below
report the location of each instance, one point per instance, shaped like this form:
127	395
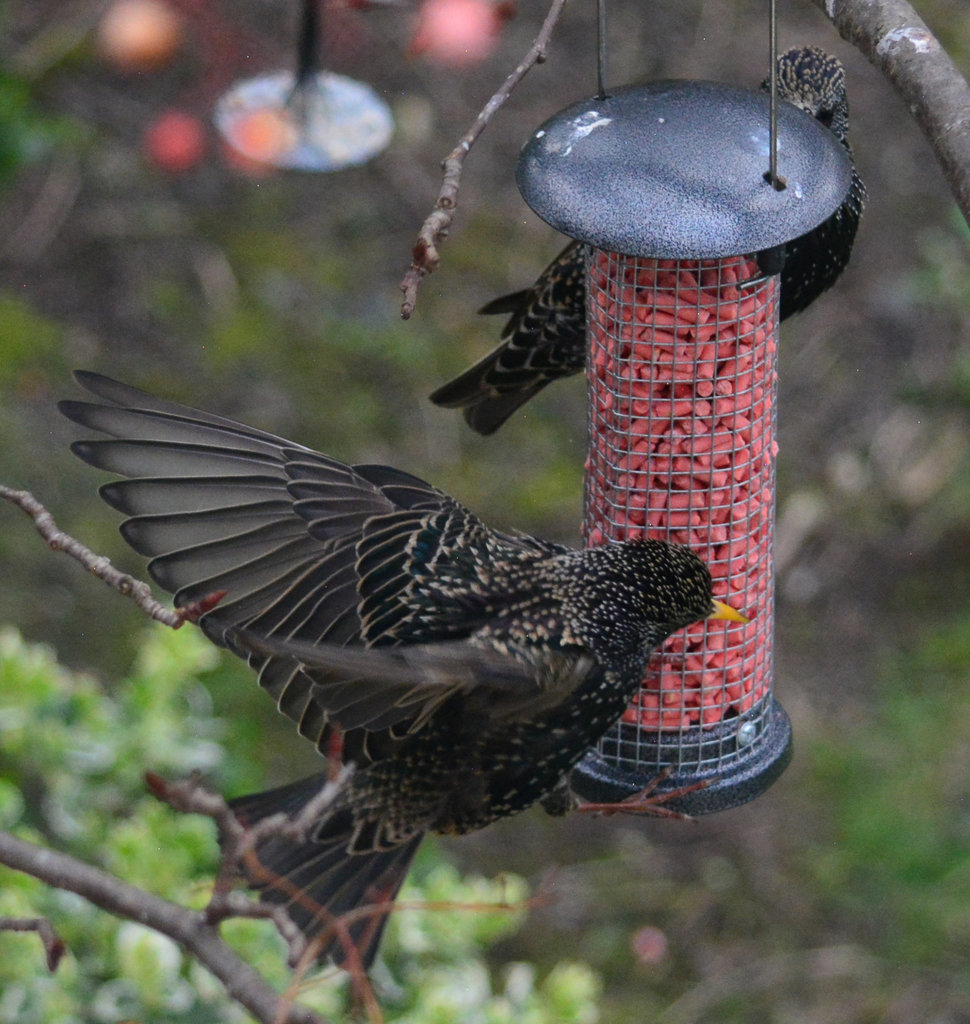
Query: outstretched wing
307	548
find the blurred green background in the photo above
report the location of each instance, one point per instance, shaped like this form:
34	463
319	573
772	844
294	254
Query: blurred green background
843	895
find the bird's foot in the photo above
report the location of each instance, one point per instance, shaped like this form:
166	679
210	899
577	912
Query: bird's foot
648	801
560	801
194	611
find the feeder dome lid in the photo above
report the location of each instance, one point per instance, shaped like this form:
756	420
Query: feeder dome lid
677	170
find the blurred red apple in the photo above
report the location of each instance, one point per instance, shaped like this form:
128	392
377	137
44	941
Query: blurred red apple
258	139
139	35
175	142
456	32
649	945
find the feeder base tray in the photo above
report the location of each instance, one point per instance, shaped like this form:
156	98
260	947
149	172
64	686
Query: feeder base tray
595	780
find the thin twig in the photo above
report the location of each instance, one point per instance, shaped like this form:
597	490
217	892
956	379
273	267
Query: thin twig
425	256
54	945
239	851
239	842
189	796
100	566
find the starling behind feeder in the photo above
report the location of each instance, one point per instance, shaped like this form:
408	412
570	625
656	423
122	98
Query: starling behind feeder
681	223
544	336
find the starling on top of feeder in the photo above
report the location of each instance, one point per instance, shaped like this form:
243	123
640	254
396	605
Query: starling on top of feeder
313	120
545	336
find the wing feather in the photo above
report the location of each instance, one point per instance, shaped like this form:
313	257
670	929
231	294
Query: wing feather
309	550
379	687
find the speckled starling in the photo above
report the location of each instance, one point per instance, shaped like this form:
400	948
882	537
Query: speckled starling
545	336
465	671
814	80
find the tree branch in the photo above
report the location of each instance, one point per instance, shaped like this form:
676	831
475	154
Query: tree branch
100	566
194	931
188	928
425	257
894	38
239	846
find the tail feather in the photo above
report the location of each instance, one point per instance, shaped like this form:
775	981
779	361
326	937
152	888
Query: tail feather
320	882
488	392
510	303
486	416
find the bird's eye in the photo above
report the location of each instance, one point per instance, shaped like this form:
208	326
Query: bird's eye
824	117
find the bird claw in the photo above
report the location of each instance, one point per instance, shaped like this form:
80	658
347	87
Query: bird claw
560	801
196	609
646	801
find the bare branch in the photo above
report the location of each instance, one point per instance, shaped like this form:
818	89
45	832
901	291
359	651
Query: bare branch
53	944
425	256
895	39
239	849
239	843
188	928
100	566
196	931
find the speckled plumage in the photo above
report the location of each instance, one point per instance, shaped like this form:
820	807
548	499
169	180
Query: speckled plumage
545	336
467	670
814	80
543	340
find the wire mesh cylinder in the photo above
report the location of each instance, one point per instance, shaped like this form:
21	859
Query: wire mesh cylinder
682	385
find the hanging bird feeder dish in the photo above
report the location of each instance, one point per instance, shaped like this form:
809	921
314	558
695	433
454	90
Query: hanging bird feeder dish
668	185
324	122
307	120
678	170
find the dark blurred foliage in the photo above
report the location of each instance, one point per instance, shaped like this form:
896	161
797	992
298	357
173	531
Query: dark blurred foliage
274	299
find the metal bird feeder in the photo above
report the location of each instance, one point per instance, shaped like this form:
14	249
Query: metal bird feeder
683	205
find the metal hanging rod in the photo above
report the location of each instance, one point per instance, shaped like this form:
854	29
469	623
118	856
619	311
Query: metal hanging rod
776	181
309	47
601	48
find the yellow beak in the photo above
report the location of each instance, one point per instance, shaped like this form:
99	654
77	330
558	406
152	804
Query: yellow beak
725	611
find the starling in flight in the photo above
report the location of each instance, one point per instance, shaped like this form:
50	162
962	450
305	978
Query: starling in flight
463	670
545	336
